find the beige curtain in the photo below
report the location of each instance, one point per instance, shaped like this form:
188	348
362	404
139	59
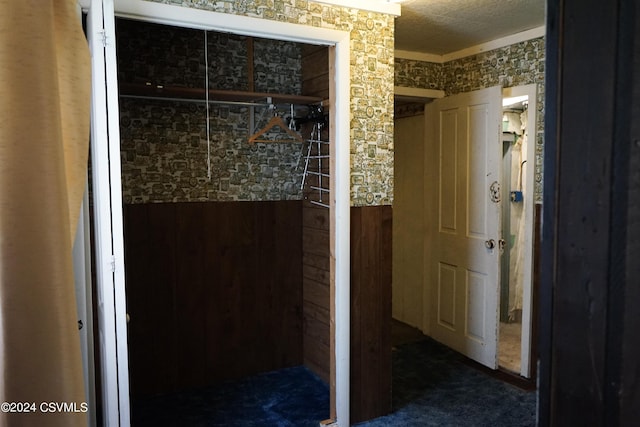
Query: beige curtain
44	130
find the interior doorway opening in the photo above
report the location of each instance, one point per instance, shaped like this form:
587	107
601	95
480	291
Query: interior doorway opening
214	128
514	164
516	344
516	235
108	172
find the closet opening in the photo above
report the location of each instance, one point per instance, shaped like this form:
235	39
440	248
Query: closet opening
225	174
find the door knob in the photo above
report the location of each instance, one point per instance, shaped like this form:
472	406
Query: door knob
490	244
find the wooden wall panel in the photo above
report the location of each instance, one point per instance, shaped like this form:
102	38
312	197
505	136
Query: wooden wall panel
589	372
315	71
149	296
315	236
629	371
188	293
371	267
316	303
214	291
370	304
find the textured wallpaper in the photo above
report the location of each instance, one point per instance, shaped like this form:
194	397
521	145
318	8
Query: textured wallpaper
372	81
514	65
164	148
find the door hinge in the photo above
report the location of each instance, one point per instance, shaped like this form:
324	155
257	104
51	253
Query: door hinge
112	263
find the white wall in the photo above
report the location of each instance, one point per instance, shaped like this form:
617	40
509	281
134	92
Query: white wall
408	222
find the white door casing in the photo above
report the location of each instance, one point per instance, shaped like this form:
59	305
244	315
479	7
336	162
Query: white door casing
340	197
529	202
462	214
109	242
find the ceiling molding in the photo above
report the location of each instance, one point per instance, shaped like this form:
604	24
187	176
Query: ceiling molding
415	92
523	36
419	56
473	50
382	6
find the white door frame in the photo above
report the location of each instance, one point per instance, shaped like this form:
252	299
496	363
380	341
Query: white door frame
340	119
107	195
531	91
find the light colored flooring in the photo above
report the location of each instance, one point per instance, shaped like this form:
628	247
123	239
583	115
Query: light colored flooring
509	346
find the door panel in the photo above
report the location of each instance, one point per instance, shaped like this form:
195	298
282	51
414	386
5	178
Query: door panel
448	172
476	172
465	150
476	294
447	296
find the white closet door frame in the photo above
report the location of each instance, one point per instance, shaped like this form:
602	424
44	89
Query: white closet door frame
107	195
339	117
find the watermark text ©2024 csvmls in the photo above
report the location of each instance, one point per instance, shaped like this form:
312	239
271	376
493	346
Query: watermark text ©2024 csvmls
43	407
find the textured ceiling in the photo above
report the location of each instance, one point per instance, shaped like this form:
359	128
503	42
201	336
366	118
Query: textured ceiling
445	26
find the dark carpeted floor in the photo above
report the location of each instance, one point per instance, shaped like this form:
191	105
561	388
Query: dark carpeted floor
292	397
432	386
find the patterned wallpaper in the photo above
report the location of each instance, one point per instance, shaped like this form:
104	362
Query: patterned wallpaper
514	65
419	74
164	145
372	81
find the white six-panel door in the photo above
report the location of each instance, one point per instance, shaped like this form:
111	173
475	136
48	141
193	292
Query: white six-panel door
463	156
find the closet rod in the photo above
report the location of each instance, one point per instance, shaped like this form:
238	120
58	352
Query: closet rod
198	101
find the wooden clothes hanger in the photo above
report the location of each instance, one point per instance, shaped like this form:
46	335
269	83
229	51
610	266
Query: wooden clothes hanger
276	121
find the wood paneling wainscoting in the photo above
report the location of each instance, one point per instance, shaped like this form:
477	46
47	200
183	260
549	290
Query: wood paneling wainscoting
213	291
316	276
370	304
370	312
223	290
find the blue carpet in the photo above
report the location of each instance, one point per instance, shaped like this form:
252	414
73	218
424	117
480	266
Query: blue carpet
432	386
291	397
